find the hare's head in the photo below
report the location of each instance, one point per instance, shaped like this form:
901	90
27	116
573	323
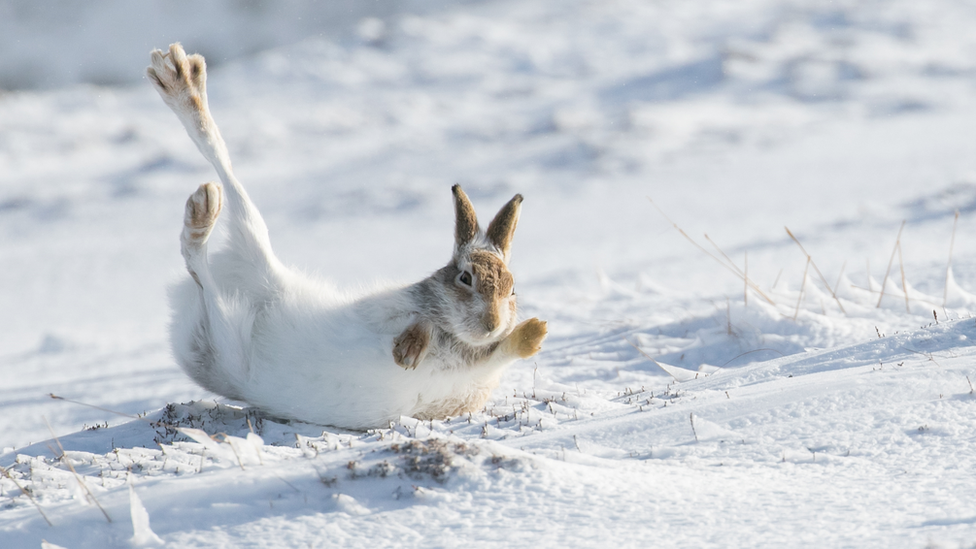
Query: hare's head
479	289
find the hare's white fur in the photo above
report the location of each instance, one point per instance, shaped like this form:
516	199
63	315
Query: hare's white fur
249	328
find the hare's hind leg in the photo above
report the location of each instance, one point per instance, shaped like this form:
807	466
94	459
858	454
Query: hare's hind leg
208	341
181	81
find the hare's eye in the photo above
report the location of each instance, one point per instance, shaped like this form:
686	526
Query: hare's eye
465	278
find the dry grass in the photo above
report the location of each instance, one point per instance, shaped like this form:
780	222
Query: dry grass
815	268
24	491
743	274
728	263
890	261
952	242
803	287
67	461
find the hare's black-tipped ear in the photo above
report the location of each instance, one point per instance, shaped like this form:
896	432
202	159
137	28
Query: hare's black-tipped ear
502	228
465	220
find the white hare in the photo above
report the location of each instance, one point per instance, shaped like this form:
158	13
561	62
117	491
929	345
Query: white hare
249	328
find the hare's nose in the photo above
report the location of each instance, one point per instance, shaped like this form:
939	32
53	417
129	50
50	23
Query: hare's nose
491	321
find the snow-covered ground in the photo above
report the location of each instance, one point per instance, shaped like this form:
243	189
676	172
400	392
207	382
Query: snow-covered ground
672	405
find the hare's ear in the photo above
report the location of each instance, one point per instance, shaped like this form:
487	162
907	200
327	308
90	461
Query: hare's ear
465	220
502	228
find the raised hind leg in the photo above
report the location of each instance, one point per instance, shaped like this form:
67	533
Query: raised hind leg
213	348
181	81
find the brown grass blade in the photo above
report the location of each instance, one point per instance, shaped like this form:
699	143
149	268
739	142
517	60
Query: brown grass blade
81	483
24	491
952	242
730	266
890	261
803	286
823	279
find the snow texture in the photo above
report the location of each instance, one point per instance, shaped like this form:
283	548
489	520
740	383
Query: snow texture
710	379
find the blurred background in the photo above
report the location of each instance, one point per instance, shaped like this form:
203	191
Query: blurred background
54	43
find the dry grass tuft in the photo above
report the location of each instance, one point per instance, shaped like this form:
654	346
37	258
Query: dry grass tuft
728	263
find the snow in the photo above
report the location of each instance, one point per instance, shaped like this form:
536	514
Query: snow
671	405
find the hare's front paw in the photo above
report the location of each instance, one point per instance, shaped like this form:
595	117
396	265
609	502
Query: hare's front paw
202	209
180	79
526	339
410	347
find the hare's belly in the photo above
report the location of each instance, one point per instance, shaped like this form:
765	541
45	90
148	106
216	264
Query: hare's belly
469	399
364	388
345	388
452	392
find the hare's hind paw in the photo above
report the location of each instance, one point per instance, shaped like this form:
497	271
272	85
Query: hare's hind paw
526	339
202	209
180	79
410	347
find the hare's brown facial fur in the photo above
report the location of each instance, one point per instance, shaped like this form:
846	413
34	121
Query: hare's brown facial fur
470	304
478	277
495	284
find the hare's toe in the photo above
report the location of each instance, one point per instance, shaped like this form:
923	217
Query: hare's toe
164	70
410	347
202	209
179	78
526	339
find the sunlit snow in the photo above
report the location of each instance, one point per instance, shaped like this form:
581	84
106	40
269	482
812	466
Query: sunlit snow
708	380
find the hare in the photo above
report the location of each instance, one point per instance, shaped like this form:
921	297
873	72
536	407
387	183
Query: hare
249	328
